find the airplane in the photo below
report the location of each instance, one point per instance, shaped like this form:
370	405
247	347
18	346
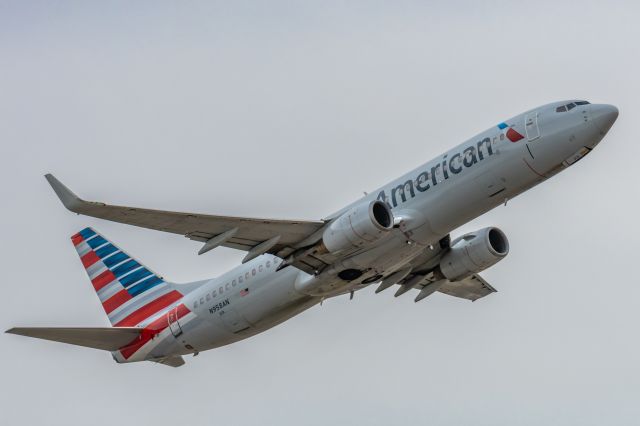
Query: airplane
397	235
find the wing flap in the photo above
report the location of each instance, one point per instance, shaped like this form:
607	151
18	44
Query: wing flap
104	338
171	361
471	288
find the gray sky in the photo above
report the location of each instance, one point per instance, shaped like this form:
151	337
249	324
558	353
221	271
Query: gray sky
291	110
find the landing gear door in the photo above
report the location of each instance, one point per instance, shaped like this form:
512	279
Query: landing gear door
233	321
172	320
531	126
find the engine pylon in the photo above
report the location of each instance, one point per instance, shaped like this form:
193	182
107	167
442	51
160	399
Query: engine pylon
392	279
429	289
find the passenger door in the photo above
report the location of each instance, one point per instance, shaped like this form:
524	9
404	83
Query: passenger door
174	325
531	126
532	135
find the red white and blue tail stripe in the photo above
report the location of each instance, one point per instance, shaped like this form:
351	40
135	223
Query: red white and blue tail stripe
131	294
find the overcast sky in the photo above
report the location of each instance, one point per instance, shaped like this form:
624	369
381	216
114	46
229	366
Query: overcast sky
291	110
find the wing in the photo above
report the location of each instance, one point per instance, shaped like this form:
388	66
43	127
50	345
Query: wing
171	361
422	276
471	288
257	236
105	338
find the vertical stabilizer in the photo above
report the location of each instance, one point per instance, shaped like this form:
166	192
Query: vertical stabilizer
130	293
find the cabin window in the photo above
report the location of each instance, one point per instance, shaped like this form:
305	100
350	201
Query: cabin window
240	279
202	300
208	297
213	293
253	272
233	283
195	305
220	290
246	276
260	268
268	264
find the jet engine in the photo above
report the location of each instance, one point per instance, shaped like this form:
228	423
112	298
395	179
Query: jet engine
359	226
473	253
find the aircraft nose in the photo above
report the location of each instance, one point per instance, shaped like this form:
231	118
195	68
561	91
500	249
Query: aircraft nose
604	116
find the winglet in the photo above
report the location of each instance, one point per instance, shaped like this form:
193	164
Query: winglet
70	200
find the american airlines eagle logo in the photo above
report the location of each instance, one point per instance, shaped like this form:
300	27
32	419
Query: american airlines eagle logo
512	135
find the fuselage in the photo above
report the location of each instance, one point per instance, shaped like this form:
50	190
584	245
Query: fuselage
432	200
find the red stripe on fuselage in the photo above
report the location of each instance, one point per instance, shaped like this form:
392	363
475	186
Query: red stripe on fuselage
150	331
151	308
116	300
103	279
89	259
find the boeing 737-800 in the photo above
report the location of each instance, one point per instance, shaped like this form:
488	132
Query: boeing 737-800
396	235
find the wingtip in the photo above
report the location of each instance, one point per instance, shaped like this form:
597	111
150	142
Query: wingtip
70	200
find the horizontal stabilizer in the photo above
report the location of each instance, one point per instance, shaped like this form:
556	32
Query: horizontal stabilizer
105	338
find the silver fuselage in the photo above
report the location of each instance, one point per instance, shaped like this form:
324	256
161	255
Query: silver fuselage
435	199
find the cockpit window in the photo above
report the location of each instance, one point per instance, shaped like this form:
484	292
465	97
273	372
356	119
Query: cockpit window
570	106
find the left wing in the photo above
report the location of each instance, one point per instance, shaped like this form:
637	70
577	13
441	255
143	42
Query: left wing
257	236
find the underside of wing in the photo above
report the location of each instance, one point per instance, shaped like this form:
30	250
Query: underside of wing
257	236
105	338
423	278
171	361
471	288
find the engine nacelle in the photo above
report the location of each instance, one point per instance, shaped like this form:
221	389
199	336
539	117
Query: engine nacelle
360	226
473	253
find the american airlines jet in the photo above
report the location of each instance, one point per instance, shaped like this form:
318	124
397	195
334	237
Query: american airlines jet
398	235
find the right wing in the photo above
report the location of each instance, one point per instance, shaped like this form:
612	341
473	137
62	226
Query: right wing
471	288
257	236
171	361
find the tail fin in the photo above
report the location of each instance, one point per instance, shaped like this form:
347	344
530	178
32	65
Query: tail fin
131	294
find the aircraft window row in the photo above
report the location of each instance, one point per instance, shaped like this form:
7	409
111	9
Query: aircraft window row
570	106
233	283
